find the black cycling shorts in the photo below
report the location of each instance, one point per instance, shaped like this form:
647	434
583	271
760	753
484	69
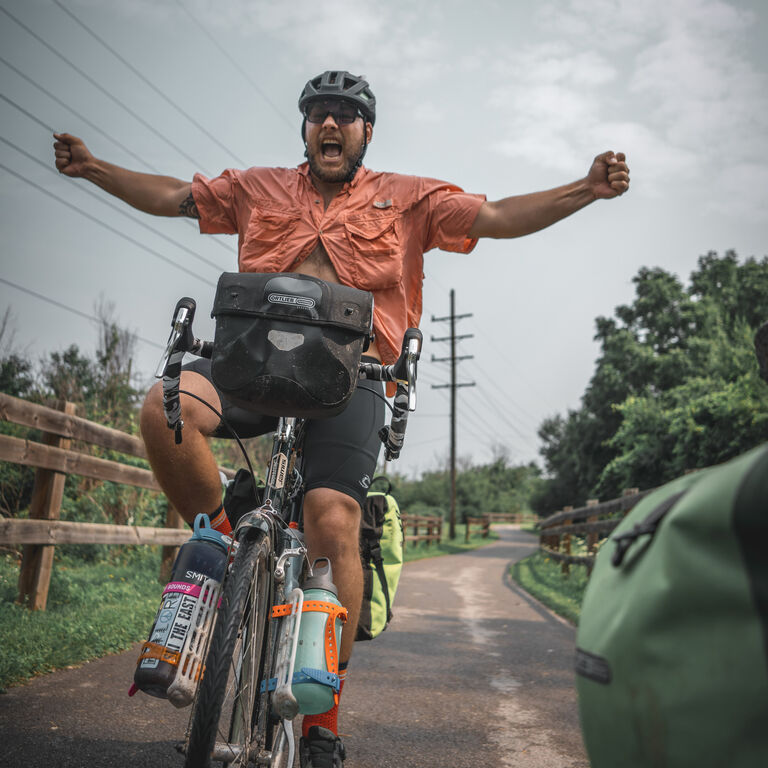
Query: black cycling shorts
340	452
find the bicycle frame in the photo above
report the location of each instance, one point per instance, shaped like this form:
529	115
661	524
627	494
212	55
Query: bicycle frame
262	693
279	517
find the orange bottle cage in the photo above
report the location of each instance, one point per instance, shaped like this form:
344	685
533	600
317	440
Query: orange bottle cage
334	611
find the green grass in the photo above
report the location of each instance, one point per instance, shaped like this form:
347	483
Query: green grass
541	577
446	546
94	609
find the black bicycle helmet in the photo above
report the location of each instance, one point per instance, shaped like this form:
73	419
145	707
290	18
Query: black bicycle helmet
342	85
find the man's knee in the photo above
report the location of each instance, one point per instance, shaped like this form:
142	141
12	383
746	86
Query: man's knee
332	522
195	415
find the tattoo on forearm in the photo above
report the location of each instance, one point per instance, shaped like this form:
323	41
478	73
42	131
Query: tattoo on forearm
188	208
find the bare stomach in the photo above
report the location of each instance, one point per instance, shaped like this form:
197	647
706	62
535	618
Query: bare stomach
317	264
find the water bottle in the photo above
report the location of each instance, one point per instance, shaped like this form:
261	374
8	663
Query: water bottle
170	663
315	678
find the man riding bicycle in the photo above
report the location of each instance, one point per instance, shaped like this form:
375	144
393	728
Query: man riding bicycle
335	219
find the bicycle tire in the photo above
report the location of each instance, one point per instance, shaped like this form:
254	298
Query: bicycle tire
223	708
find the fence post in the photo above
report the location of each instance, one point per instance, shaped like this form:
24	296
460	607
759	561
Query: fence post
47	493
629	492
172	520
486	526
565	567
592	537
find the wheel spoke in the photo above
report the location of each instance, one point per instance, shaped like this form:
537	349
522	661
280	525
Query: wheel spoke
223	722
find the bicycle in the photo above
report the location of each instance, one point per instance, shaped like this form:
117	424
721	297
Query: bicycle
243	708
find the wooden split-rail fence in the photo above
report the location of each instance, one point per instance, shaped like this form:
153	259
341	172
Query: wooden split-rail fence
484	522
423	528
572	536
54	458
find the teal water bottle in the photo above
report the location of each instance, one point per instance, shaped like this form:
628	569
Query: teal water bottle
315	677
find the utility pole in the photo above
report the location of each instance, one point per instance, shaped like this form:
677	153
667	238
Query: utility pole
454	385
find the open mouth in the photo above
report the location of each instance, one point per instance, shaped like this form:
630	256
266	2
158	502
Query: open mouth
331	150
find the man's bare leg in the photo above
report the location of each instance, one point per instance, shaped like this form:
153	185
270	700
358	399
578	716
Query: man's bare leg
187	473
332	530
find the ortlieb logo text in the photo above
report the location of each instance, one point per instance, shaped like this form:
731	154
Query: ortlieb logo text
296	301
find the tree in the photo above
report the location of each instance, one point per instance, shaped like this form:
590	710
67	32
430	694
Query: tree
16	376
675	386
103	389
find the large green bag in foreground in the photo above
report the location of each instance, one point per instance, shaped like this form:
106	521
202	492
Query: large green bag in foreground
672	647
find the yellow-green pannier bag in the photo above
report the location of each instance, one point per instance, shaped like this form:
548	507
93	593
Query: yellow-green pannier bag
672	646
381	552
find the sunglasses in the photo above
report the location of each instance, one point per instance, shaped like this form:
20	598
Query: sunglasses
342	112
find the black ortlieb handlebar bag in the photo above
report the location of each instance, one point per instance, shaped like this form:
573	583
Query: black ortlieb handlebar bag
288	344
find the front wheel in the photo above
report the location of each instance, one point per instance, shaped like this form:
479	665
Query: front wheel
222	721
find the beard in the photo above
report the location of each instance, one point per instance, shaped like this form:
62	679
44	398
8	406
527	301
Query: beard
337	175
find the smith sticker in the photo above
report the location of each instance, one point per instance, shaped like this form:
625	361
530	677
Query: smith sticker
278	471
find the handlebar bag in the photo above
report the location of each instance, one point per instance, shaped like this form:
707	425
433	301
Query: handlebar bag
288	344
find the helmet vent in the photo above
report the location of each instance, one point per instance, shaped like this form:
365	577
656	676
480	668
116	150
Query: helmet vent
342	85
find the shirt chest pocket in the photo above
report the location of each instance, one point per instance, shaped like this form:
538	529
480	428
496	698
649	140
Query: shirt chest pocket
377	254
268	235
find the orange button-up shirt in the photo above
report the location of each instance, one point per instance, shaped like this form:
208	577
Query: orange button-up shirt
375	231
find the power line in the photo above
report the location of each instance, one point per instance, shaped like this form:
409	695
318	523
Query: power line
501	412
68	308
89	123
26	113
118	209
103	224
232	61
103	90
483	422
147	81
74	112
485	337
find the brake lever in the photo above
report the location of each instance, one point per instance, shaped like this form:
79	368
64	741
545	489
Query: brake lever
181	330
413	352
411	365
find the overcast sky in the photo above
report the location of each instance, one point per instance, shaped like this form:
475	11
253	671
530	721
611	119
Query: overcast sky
498	97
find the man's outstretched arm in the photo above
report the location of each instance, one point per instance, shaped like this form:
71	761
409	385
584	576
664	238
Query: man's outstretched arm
523	214
158	195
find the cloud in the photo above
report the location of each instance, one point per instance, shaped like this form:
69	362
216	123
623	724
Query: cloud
360	36
743	191
554	95
670	78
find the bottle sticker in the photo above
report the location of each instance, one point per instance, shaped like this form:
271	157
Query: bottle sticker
183	587
173	618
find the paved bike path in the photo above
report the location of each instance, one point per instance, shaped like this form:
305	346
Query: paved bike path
471	672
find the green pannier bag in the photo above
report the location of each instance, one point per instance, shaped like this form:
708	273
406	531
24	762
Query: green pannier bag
672	646
381	551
